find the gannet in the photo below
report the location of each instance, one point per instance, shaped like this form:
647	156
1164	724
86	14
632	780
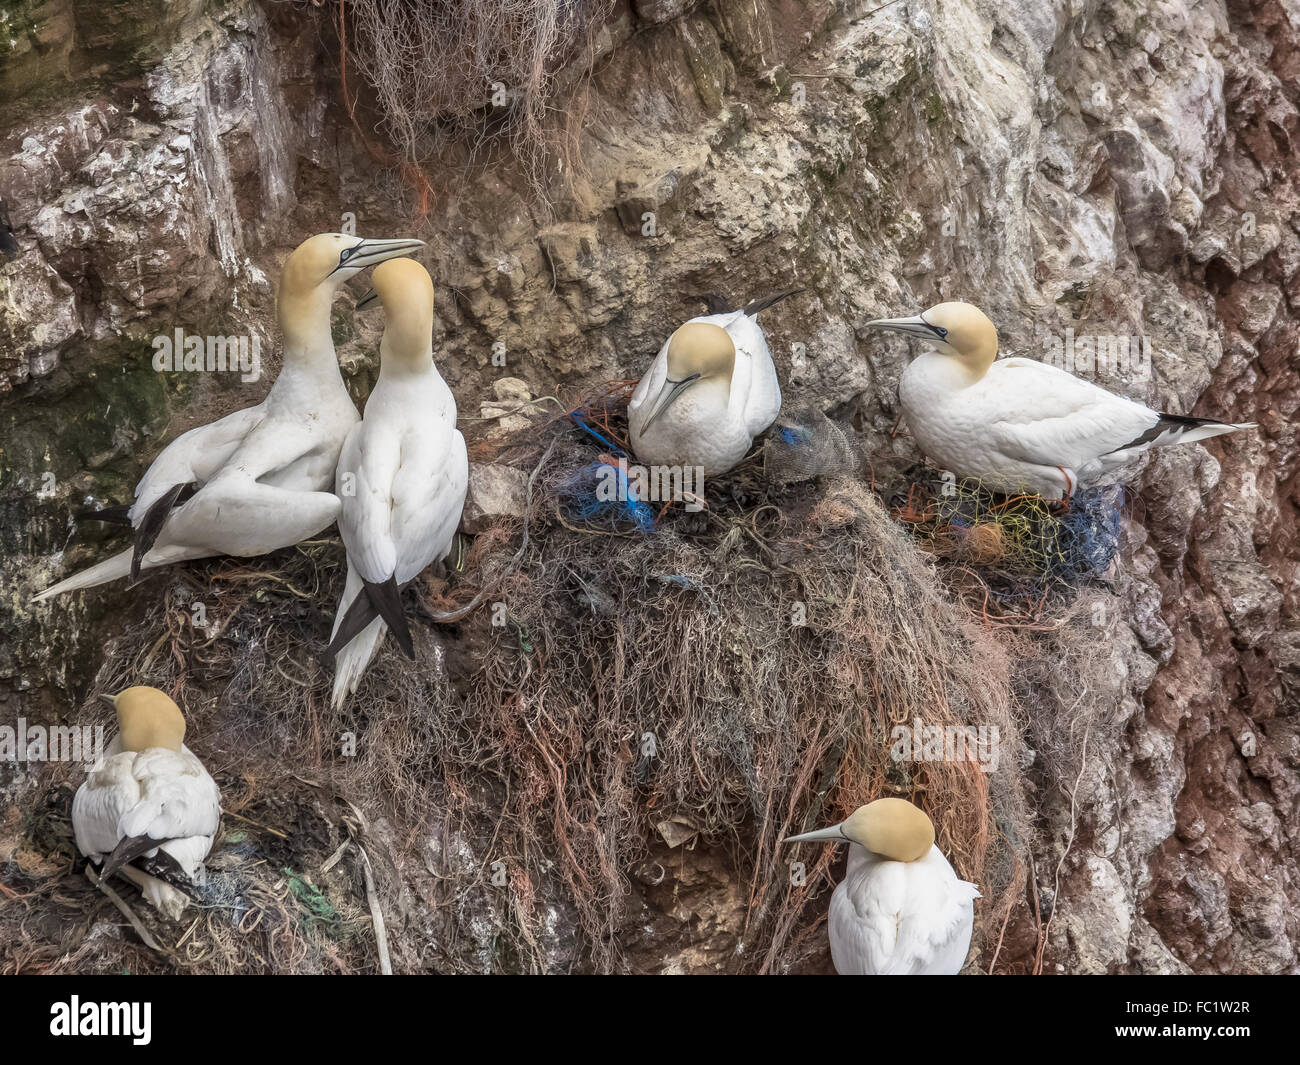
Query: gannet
900	909
402	477
258	479
148	799
711	389
1019	424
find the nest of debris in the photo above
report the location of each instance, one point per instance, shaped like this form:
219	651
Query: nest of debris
641	681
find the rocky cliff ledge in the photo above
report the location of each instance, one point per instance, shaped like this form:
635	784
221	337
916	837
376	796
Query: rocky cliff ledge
1106	167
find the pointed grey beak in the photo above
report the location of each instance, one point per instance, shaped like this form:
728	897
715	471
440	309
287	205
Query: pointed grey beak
834	834
372	252
670	391
110	699
916	326
368	300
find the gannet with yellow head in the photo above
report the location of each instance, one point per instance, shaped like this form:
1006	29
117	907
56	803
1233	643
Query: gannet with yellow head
148	800
258	479
1020	424
900	909
401	477
710	391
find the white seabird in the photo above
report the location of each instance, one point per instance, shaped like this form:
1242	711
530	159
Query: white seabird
401	477
258	479
1019	424
148	799
900	909
711	389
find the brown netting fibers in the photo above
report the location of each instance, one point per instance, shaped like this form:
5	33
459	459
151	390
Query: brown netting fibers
627	705
473	70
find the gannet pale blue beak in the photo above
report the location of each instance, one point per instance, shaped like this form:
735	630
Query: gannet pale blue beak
367	301
110	699
670	391
834	834
915	326
371	252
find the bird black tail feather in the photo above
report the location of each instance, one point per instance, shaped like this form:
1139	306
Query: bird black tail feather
717	303
127	850
374	601
1183	425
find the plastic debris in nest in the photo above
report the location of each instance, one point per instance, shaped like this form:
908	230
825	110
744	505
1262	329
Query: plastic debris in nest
600	496
803	444
1029	543
614	493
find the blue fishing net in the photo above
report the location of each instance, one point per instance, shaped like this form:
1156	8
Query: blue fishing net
1022	540
599	495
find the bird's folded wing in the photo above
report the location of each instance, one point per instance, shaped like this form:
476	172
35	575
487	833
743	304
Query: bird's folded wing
754	382
935	929
178	798
427	501
903	918
1039	414
918	934
236	515
159	794
368	466
101	802
193	457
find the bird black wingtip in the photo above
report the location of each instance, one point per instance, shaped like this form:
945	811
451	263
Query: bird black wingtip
718	303
753	308
119	514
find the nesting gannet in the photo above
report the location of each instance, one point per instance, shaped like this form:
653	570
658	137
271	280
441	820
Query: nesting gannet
261	478
711	389
1019	424
148	800
900	909
402	476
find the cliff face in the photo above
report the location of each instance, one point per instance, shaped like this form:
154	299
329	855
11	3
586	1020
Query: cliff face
1081	169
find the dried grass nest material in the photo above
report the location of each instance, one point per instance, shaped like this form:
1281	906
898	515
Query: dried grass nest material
767	647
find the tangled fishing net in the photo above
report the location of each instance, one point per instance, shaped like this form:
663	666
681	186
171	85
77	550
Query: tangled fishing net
649	684
1022	546
803	444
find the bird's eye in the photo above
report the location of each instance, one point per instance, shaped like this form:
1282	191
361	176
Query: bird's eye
345	255
942	331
